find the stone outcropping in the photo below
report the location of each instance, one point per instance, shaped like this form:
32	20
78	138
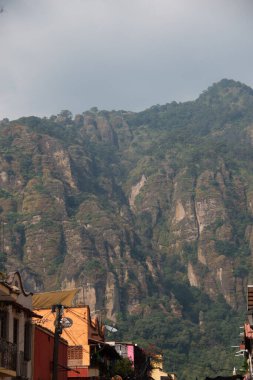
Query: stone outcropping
102	201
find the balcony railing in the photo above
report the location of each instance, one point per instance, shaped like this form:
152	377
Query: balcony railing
8	355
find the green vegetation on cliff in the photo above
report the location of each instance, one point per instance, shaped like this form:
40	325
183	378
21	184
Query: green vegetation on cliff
149	213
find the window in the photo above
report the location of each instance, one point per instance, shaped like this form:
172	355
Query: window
28	341
3	325
15	330
75	352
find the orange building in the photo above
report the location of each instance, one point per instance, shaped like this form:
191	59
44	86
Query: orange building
88	354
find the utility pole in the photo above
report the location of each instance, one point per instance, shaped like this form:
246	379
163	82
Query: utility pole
58	309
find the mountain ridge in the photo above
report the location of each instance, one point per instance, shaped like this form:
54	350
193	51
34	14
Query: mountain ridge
149	214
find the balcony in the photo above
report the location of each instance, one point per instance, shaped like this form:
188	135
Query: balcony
8	358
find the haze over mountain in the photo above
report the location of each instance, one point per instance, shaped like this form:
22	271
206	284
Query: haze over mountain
118	54
149	213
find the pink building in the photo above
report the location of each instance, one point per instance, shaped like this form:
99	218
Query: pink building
124	349
139	358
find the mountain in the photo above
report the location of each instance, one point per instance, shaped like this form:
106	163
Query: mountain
149	213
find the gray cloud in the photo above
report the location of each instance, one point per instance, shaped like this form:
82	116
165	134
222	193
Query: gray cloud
118	54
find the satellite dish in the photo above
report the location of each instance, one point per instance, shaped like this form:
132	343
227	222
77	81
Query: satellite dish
66	322
110	328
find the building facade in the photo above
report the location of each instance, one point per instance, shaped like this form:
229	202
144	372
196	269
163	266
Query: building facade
157	372
141	360
15	328
43	355
88	355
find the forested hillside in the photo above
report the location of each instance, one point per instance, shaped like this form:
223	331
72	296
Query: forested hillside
149	213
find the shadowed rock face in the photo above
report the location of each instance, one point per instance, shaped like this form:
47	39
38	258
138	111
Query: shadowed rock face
102	201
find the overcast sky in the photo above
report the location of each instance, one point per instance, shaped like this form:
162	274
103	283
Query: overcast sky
118	54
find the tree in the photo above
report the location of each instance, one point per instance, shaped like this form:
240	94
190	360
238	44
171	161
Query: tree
124	368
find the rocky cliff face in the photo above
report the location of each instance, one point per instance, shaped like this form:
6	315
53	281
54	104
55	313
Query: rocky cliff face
103	200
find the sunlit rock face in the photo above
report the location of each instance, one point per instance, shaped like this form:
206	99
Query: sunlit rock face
115	203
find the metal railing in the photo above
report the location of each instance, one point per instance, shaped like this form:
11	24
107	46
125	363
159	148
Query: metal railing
8	355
